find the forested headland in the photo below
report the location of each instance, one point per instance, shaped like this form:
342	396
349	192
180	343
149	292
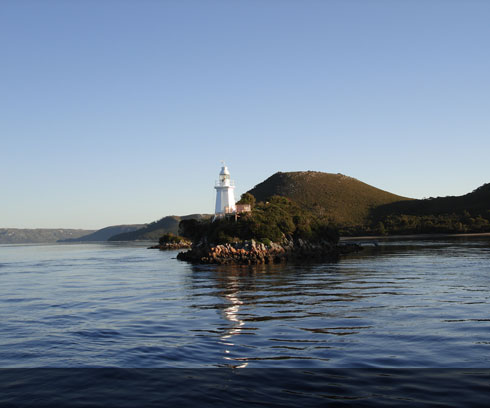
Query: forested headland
273	231
356	208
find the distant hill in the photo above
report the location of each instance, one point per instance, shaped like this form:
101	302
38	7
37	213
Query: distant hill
453	214
346	201
105	233
155	230
38	235
476	202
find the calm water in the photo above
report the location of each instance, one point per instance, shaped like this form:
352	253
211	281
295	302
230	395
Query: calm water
404	304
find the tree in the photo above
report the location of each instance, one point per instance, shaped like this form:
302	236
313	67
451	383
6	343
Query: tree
272	221
170	238
247	198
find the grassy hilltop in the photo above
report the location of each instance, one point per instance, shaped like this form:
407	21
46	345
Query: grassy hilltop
344	200
357	208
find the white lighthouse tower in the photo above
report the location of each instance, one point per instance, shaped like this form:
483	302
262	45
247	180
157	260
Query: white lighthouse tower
225	199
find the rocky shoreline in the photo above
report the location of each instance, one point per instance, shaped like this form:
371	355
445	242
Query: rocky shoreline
172	246
254	253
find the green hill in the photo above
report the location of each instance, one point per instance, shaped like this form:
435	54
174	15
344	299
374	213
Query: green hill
154	230
477	203
344	200
453	214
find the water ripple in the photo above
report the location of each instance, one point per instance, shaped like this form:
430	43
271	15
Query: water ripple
403	304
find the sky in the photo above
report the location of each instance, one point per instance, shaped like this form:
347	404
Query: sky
120	112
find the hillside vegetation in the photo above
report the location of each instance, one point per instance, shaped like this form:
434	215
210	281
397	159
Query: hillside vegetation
357	208
273	221
453	214
154	230
478	201
343	200
275	231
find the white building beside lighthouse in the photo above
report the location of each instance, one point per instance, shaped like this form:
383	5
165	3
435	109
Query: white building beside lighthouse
225	198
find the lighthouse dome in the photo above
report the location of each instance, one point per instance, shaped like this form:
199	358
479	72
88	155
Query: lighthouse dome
224	171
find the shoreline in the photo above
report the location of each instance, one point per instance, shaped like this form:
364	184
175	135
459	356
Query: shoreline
419	236
255	253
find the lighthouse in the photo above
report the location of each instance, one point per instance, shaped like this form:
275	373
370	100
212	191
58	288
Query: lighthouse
225	199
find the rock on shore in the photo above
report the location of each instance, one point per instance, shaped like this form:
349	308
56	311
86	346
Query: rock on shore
252	252
172	246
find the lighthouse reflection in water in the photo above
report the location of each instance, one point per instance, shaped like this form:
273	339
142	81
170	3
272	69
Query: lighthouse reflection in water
231	313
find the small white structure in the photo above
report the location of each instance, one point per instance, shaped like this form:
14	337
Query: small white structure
225	199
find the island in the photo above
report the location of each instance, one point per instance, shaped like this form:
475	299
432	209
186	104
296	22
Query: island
274	231
299	216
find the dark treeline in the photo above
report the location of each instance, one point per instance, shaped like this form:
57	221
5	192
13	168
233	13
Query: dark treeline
402	224
278	217
469	213
270	221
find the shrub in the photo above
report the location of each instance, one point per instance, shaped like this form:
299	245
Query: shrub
170	238
266	241
247	198
268	222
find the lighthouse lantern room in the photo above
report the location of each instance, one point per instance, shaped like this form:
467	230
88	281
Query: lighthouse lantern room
225	199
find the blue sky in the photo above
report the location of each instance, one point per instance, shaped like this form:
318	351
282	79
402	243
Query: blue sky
120	111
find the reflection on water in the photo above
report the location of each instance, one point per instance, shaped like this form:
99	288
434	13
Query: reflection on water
231	314
384	307
402	304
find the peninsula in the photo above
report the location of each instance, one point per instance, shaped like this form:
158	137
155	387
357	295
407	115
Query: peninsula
300	215
248	232
275	231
